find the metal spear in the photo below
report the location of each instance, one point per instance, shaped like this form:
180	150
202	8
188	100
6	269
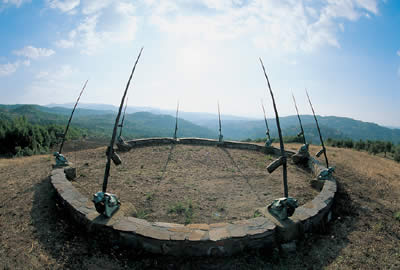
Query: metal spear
110	149
123	118
298	116
176	120
283	154
219	119
266	123
70	118
319	132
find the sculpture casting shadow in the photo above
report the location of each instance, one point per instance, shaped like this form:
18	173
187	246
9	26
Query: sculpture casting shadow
72	247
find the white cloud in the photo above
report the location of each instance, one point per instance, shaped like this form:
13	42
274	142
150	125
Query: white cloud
369	5
63	72
63	43
286	25
398	52
91	7
34	53
92	35
42	74
9	68
60	73
17	3
63	5
58	81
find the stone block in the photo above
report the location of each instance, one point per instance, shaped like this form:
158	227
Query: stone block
178	236
237	230
153	232
218	225
125	225
196	235
217	234
166	225
204	227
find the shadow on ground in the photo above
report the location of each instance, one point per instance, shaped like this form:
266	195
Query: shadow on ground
70	247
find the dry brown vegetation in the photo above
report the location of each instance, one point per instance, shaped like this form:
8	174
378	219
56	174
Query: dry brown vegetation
364	234
191	184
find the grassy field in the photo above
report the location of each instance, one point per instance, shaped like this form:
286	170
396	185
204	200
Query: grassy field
364	233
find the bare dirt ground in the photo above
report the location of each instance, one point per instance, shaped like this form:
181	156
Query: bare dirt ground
364	234
191	184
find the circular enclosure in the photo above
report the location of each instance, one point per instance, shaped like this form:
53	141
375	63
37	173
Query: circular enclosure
195	196
192	183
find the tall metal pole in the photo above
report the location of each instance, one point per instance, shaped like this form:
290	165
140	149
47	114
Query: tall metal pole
266	123
298	116
176	121
319	131
70	118
123	118
283	154
110	149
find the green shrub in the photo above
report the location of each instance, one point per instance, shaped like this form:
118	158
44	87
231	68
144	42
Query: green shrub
397	154
397	215
180	208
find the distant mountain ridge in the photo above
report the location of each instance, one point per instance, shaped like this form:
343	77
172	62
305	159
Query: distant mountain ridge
190	116
147	124
331	127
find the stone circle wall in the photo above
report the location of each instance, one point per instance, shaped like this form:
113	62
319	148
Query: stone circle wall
218	239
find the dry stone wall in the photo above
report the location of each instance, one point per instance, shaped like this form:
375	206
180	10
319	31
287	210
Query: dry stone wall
218	239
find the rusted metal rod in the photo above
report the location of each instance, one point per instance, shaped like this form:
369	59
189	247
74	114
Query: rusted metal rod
298	116
219	119
266	123
70	118
110	149
123	118
283	154
319	131
176	121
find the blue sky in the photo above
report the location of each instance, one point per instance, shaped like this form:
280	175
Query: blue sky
345	52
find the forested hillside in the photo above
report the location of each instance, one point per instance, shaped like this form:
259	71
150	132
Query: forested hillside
19	137
96	124
331	127
31	129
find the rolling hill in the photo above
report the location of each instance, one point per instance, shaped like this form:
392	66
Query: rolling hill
147	124
331	127
100	123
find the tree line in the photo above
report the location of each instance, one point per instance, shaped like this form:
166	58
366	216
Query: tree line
373	147
286	139
18	137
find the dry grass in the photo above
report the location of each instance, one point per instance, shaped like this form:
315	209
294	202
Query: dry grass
222	184
364	234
